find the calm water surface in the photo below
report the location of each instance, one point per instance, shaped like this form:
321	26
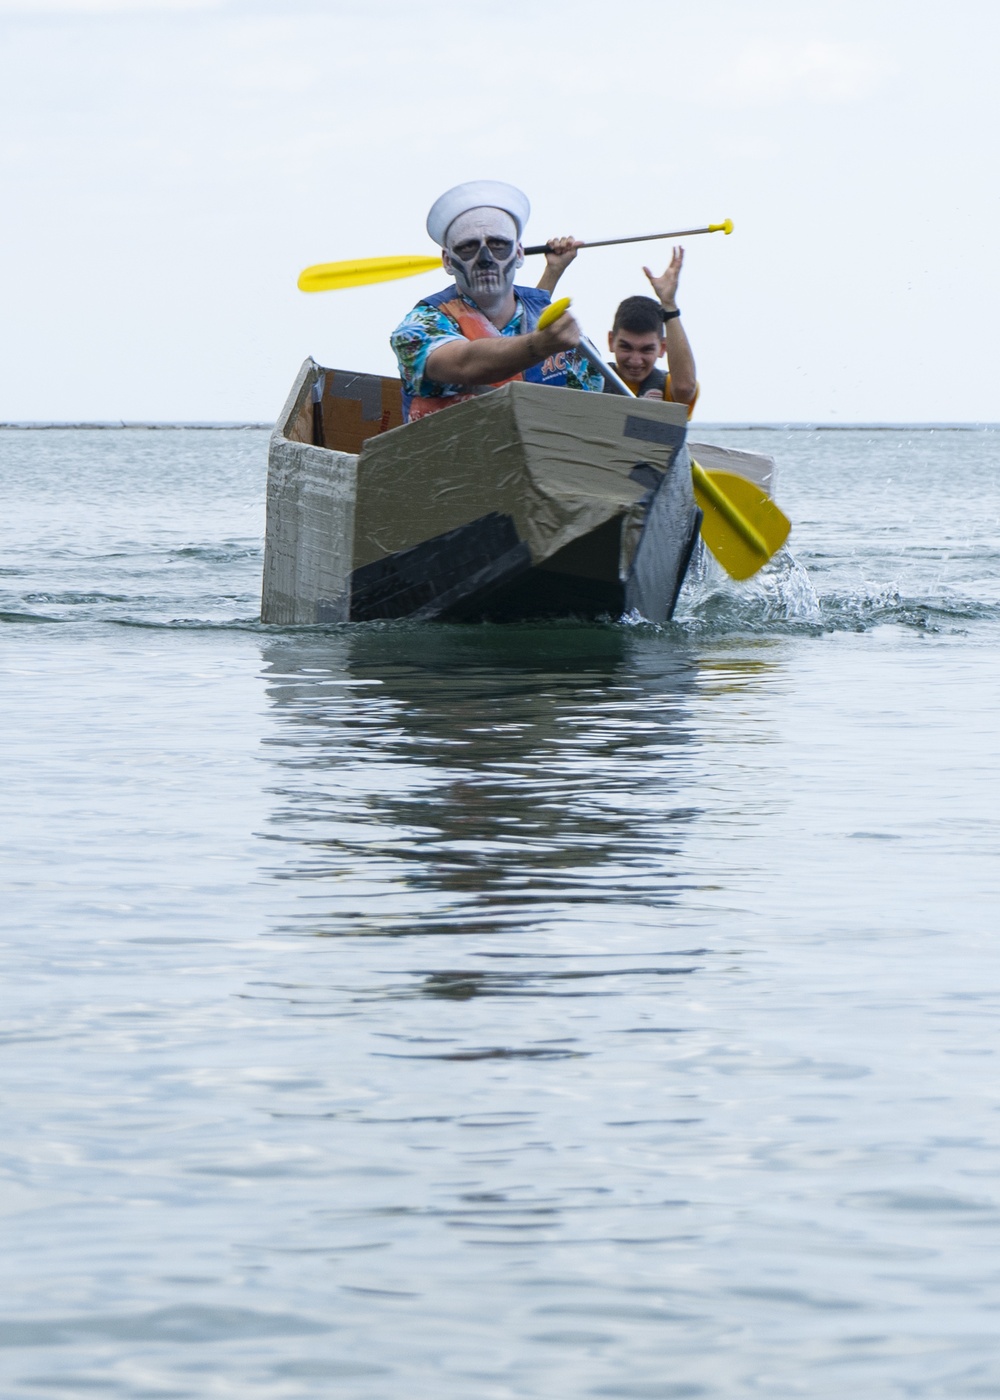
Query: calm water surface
492	1012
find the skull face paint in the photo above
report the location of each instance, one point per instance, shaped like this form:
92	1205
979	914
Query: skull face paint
482	253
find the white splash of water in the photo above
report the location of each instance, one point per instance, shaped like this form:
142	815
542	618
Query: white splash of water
786	591
781	592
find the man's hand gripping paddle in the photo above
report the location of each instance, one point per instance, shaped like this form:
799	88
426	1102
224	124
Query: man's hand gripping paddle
740	523
362	272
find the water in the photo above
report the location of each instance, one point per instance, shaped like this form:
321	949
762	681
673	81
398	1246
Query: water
503	1012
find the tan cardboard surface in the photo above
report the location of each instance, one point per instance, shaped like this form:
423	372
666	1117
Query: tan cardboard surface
556	460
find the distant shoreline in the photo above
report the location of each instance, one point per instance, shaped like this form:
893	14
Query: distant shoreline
771	427
119	424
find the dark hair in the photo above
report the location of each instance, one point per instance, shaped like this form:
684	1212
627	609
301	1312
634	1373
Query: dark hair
638	314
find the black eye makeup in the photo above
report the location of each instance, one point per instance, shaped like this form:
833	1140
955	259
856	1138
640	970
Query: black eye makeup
501	248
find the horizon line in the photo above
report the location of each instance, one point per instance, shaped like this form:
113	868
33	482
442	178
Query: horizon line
738	425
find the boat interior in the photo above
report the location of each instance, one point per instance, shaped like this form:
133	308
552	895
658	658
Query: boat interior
345	408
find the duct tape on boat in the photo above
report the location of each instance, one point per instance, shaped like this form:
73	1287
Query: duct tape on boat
366	389
654	430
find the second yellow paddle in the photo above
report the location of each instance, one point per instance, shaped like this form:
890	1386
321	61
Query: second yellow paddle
740	523
553	312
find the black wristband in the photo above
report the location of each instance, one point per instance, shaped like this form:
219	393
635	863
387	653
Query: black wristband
669	315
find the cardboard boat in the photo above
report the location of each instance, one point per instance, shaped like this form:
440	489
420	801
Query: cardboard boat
523	502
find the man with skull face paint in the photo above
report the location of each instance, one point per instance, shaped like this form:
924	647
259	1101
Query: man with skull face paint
481	332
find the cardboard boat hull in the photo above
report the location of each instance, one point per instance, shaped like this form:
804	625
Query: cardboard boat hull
523	502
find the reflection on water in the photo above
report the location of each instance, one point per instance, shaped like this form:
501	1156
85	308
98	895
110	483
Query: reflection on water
474	778
664	1064
527	792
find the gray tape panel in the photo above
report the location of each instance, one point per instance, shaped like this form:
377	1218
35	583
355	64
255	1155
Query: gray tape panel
647	476
366	388
654	430
669	535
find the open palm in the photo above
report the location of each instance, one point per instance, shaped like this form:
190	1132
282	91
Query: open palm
665	286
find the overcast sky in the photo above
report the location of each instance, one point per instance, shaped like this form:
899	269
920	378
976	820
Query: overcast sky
169	166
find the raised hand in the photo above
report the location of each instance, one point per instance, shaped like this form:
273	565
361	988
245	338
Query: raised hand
665	286
560	252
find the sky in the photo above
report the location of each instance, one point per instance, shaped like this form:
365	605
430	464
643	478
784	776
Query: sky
169	166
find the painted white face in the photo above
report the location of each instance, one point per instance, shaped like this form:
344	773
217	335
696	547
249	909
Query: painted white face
482	253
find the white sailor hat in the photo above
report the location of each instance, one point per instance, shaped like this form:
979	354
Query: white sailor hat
476	194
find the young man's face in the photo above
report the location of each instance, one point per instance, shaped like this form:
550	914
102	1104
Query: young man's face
636	352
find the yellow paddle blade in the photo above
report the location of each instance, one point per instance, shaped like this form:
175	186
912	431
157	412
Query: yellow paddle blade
742	526
553	312
359	272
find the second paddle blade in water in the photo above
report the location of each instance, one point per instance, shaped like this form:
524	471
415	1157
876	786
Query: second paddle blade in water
742	526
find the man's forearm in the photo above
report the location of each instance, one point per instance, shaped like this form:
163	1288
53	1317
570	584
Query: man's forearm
483	361
683	378
549	279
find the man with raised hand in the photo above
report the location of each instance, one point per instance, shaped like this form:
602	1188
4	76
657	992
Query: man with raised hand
644	330
481	331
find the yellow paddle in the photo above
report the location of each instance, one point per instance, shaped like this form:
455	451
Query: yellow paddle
725	227
553	312
740	523
362	272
